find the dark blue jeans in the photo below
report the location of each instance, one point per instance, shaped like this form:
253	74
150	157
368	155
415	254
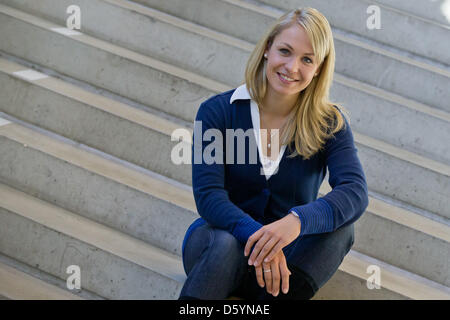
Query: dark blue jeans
216	267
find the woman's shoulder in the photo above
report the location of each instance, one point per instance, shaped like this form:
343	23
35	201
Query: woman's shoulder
218	105
221	99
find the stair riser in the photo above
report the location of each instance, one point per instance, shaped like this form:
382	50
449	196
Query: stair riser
343	286
397	30
351	60
405	181
101	272
106	70
56	113
94	196
428	140
431	10
426	189
164	224
403	247
102	130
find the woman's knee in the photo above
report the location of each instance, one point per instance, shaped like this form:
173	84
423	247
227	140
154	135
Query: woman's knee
217	246
225	246
345	237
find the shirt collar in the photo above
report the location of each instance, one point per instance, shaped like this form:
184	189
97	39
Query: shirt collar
241	93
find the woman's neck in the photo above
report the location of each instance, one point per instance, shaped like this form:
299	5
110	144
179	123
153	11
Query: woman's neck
278	106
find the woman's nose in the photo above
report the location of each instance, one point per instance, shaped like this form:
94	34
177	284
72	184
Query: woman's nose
292	66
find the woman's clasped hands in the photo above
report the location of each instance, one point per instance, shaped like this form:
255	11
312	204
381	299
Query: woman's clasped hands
267	255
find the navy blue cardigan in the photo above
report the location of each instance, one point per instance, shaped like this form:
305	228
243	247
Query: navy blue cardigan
238	198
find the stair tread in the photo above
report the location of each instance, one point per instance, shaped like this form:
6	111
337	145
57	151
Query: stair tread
203	81
46	214
171	190
18	285
145	254
92	232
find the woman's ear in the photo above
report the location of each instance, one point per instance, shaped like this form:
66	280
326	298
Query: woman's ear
266	51
318	70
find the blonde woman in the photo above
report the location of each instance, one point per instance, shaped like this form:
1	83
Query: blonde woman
263	234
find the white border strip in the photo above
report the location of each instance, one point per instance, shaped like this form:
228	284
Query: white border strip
66	31
30	75
4	122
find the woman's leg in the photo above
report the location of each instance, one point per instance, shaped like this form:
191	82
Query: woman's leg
214	262
319	256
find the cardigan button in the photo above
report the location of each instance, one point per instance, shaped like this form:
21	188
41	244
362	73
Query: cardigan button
266	191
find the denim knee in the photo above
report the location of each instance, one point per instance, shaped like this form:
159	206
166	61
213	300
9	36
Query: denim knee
207	242
320	255
214	262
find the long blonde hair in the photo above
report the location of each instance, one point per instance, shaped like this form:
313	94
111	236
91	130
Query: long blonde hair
314	118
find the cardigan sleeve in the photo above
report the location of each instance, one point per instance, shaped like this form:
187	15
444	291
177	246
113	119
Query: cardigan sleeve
349	196
208	180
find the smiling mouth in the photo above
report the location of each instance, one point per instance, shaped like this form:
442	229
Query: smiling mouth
286	78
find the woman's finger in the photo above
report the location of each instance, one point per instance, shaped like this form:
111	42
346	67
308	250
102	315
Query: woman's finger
275	250
251	241
267	276
276	277
259	276
257	248
265	251
285	273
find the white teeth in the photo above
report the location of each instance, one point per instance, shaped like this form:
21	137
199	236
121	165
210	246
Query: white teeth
286	78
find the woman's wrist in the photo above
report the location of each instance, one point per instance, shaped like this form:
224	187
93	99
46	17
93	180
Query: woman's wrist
297	218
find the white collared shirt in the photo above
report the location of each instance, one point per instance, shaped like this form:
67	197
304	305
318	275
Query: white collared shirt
269	166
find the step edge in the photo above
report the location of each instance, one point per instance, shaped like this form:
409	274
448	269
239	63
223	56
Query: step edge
378	145
92	233
217	86
18	285
400	281
391	212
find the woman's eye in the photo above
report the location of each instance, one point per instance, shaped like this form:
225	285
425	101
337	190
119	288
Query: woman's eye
307	60
284	50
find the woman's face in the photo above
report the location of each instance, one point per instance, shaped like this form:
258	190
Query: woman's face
291	64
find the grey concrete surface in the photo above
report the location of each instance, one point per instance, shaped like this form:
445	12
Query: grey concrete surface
101	272
163	224
403	247
207	56
434	10
93	196
398	30
103	69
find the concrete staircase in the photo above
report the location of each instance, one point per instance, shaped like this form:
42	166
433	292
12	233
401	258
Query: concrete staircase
86	120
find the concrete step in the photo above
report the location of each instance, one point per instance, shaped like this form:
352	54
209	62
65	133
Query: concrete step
207	51
18	285
351	282
46	94
389	169
106	66
118	266
397	28
118	194
372	118
390	70
87	115
436	11
38	277
403	238
169	207
112	264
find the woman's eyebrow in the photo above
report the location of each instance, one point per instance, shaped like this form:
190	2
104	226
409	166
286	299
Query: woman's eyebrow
289	46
